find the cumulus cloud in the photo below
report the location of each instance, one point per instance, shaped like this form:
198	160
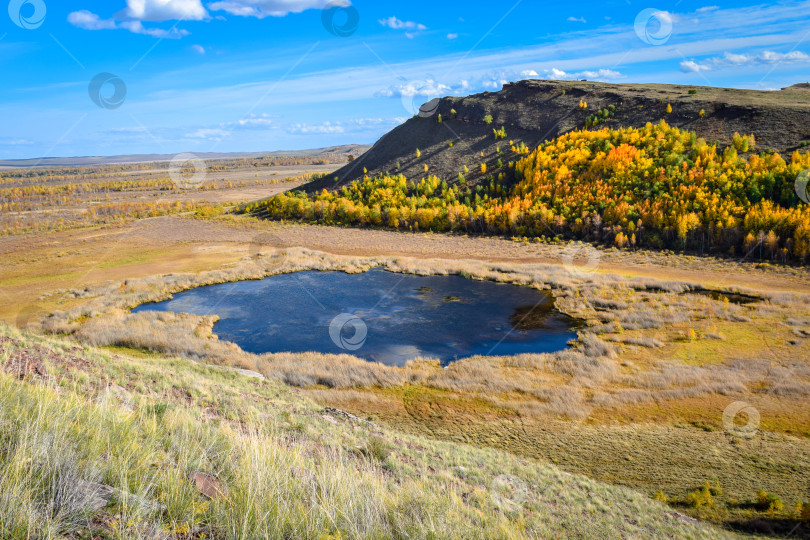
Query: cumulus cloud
425	88
165	10
690	66
90	21
739	60
326	127
598	75
138	11
396	24
137	28
577	19
199	49
208	134
271	8
493	80
413	28
357	125
255	121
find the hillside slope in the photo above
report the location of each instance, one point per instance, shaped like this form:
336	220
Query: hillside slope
101	445
534	111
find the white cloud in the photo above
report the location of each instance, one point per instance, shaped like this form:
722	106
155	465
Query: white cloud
270	8
396	24
491	80
209	134
199	49
707	9
452	36
90	21
137	28
165	10
429	87
16	142
326	127
690	66
599	75
577	19
255	120
739	60
357	125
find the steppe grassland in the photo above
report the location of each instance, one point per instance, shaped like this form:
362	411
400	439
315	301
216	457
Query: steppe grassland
670	435
37	200
651	353
282	466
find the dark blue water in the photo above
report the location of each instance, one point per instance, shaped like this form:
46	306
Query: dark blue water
380	316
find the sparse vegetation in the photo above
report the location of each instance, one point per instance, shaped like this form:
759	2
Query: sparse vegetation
281	466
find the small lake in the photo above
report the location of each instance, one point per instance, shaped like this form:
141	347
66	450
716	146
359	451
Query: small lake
381	316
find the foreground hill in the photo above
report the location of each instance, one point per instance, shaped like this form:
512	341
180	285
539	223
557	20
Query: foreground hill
105	445
533	111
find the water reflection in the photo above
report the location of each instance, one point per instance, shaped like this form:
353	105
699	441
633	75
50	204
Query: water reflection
444	317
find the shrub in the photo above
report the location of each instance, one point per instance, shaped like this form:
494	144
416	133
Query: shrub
700	497
669	108
376	449
488	119
769	502
692	91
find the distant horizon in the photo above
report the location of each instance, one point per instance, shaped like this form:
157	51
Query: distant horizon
128	77
171	155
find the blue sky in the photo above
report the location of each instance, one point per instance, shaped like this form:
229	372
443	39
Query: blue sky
261	75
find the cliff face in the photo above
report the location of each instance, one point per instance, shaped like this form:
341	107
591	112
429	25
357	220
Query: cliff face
535	111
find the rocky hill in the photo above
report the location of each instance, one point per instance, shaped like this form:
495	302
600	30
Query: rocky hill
534	111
